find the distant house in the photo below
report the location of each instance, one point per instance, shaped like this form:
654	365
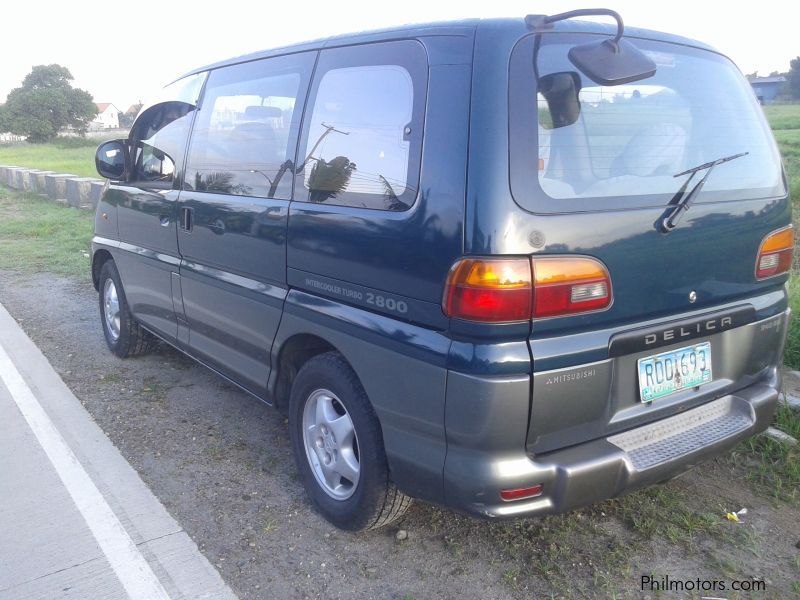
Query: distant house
126	119
107	116
134	110
767	88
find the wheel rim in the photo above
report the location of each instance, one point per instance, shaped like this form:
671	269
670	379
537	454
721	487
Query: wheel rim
111	309
331	444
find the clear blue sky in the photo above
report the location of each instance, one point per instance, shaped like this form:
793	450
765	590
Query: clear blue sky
121	51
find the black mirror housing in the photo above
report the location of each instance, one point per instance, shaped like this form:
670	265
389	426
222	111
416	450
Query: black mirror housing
111	159
611	62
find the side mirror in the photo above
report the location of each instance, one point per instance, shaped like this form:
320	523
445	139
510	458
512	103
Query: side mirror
561	92
612	62
111	159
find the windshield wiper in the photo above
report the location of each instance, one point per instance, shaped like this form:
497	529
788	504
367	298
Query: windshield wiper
681	201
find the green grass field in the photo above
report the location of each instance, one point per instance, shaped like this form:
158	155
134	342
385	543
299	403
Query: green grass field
785	123
66	155
41	236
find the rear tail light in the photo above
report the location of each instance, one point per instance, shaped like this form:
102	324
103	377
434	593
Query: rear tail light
775	253
495	290
566	285
489	290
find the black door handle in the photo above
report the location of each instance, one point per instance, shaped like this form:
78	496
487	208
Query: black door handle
187	218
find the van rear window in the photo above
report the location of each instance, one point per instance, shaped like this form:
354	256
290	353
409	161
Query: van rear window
587	146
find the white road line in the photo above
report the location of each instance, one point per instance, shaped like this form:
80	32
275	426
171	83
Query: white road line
128	563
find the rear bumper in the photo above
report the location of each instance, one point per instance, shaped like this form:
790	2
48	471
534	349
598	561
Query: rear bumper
487	421
611	466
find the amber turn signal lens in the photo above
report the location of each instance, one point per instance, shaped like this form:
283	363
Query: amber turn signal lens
489	290
566	285
775	254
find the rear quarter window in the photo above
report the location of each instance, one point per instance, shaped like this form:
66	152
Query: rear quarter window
362	135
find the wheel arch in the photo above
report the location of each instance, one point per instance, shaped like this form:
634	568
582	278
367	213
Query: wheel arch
100	258
401	366
292	354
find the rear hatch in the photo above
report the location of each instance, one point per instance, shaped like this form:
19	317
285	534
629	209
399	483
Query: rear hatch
598	169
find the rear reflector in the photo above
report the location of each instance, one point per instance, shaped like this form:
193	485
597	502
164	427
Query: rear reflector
490	290
522	493
775	253
566	285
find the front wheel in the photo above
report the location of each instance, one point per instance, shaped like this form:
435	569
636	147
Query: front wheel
124	336
338	447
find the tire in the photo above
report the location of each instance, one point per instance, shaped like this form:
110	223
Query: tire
338	447
124	336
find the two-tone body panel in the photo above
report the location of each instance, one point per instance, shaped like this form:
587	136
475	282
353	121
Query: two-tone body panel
343	234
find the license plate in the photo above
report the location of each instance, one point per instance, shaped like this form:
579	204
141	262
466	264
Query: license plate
669	372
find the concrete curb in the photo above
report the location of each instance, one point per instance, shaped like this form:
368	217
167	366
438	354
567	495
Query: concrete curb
780	436
49	550
63	188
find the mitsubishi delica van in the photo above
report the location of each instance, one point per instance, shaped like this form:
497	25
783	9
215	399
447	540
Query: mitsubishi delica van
512	267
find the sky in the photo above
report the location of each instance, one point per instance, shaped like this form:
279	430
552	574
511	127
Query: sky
123	52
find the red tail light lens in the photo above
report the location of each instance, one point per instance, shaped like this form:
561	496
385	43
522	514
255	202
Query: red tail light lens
496	290
489	290
775	253
566	285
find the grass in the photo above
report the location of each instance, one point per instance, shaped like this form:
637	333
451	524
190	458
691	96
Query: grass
66	155
785	123
776	471
783	116
586	550
664	512
776	468
38	235
791	355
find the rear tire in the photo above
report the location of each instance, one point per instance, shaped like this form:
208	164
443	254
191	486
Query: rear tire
124	336
338	447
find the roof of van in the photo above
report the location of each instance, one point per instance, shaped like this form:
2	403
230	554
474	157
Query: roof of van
455	28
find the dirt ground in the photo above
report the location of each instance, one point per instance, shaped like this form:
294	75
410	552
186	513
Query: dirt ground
221	463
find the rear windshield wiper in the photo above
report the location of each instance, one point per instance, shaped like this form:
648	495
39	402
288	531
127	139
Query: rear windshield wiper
681	201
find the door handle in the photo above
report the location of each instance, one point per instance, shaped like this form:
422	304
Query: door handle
163	220
187	218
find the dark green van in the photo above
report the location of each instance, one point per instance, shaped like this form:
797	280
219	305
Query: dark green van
508	266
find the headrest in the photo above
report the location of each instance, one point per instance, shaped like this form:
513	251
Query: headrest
654	148
262	112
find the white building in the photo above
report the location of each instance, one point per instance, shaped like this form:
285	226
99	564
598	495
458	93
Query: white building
107	116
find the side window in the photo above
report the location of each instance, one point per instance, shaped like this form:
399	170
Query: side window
245	134
363	132
158	138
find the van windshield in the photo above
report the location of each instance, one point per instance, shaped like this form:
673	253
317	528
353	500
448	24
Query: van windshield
629	141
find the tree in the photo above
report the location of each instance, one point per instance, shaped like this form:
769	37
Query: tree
329	178
794	78
46	103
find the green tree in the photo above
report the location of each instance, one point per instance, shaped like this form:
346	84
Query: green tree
794	78
46	103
